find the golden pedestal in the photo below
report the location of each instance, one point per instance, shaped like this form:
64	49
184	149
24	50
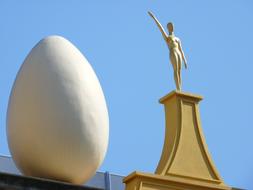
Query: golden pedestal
185	162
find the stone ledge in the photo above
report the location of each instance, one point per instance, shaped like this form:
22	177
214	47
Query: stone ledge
17	182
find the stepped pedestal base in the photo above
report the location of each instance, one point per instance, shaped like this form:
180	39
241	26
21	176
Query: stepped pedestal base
147	181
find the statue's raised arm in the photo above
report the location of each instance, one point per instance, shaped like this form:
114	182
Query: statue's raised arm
159	26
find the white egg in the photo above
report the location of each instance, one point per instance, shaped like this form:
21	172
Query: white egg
57	120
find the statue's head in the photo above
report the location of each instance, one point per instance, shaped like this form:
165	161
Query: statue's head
170	27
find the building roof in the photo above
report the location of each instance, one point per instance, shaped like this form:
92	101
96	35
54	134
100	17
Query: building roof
12	179
18	182
9	172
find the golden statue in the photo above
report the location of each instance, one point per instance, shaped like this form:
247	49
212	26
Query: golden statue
176	51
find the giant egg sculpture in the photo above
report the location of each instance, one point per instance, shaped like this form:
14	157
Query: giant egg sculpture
57	120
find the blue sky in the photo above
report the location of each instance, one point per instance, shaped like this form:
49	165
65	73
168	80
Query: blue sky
131	61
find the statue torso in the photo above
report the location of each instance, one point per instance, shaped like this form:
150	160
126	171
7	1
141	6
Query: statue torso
172	41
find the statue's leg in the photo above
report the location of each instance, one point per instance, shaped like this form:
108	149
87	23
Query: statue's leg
179	58
174	62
